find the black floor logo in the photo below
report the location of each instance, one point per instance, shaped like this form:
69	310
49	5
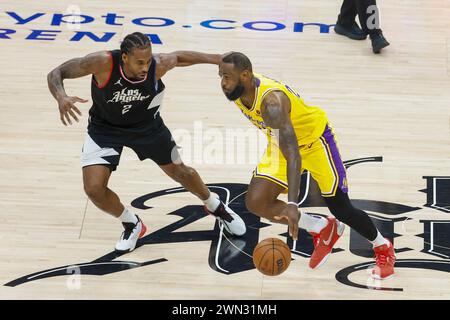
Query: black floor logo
231	255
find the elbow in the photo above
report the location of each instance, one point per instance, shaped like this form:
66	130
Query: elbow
54	75
51	75
49	78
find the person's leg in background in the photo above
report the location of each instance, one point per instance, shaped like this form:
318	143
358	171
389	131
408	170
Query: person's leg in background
348	13
346	24
369	19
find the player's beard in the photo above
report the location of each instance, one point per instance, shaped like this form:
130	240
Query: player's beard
236	93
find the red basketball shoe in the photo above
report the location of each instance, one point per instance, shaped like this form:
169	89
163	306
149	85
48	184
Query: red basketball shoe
385	260
324	242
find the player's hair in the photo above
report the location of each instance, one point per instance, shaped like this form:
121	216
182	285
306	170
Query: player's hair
135	40
240	61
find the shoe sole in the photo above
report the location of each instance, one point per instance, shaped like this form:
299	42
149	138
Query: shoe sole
379	278
325	258
378	49
141	234
321	263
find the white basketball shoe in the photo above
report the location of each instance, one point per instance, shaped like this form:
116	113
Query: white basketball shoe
231	221
130	236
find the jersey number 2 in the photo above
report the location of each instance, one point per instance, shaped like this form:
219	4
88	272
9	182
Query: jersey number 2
126	108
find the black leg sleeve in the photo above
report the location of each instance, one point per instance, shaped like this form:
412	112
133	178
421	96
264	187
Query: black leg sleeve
341	207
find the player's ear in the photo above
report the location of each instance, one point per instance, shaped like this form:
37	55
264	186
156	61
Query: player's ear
125	57
245	75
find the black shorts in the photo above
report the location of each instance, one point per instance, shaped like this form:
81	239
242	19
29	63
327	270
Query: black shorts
103	144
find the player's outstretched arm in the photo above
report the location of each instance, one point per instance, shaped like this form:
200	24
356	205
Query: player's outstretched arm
275	110
168	61
95	63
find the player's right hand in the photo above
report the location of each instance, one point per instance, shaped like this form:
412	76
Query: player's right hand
67	107
292	215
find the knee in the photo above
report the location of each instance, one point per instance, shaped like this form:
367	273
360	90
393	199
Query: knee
254	203
334	209
95	191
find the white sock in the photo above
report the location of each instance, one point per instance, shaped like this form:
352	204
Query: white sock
312	223
212	203
128	217
379	240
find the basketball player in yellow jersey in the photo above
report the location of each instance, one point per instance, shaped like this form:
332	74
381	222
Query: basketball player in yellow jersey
299	138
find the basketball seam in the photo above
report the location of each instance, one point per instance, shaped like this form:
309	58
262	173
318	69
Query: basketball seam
269	244
262	258
273	257
283	243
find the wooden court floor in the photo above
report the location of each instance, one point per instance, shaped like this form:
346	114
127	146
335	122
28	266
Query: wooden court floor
391	111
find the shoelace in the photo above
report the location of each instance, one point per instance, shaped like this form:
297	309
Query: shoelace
222	213
381	259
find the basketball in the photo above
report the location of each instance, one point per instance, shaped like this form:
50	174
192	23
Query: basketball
272	256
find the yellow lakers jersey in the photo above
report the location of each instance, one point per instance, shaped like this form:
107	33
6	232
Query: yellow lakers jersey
308	122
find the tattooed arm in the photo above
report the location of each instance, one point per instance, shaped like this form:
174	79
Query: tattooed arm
276	108
99	64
